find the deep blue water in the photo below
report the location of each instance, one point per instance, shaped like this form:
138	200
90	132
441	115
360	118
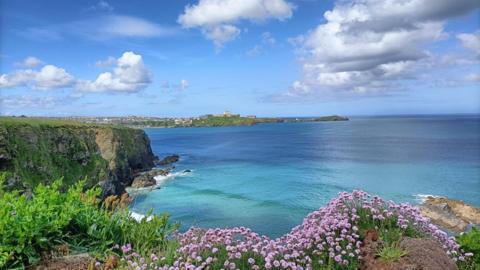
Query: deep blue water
269	176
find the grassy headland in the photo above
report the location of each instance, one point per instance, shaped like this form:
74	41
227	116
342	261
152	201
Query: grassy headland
37	150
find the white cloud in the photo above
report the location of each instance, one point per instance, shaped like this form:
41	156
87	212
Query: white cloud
473	77
367	45
184	84
220	34
102	27
471	41
29	62
48	77
51	77
129	75
110	61
101	6
29	101
217	18
128	26
266	40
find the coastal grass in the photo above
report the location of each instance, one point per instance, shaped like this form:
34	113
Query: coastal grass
470	242
391	253
39	121
33	228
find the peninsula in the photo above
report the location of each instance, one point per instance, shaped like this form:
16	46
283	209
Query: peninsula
209	120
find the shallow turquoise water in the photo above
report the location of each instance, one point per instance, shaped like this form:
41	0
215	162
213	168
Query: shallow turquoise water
269	176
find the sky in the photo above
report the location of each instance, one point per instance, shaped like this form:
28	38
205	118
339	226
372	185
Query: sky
264	57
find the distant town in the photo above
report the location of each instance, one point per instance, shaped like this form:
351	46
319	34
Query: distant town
209	120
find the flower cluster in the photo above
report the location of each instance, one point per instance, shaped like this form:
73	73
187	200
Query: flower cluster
329	237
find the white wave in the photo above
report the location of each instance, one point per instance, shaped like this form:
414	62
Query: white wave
421	198
138	217
162	179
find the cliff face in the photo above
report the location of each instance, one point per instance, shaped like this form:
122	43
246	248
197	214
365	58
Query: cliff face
33	153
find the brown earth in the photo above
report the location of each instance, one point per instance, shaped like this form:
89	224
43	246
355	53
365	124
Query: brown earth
422	254
72	262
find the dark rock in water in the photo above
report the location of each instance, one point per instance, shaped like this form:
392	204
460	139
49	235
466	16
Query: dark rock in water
187	171
169	160
452	215
147	179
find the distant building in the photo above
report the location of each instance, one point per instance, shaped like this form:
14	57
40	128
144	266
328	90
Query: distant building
251	116
229	114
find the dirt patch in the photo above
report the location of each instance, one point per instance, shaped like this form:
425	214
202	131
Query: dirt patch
422	254
72	262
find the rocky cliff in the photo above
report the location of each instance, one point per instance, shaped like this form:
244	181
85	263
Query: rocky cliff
34	151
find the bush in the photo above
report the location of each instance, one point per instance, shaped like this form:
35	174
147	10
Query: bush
32	228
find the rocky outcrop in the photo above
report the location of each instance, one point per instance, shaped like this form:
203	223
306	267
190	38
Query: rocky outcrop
147	179
42	151
453	215
420	253
169	160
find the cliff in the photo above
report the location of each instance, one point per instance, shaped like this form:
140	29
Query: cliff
34	151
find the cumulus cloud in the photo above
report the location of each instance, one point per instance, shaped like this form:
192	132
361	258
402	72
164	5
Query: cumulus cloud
217	19
471	41
129	75
29	62
48	77
366	45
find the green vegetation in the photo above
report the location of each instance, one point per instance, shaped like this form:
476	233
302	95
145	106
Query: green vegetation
16	121
34	228
391	253
36	150
470	242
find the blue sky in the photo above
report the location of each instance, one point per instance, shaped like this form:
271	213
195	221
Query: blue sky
263	57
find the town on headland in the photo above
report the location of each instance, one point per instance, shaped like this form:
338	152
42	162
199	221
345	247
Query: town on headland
208	120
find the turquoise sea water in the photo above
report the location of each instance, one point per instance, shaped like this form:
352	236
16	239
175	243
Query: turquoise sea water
269	176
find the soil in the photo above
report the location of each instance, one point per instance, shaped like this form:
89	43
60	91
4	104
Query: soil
422	254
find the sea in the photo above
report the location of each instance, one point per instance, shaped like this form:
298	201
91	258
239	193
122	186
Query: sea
268	177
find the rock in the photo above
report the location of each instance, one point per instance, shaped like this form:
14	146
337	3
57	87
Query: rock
113	202
187	171
169	160
421	254
452	215
111	187
147	179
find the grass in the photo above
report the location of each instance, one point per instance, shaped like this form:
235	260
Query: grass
39	121
391	253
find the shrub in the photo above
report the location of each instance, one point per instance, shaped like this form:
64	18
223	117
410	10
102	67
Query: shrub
32	228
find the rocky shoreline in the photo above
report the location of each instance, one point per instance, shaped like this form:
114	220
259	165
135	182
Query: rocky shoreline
455	216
